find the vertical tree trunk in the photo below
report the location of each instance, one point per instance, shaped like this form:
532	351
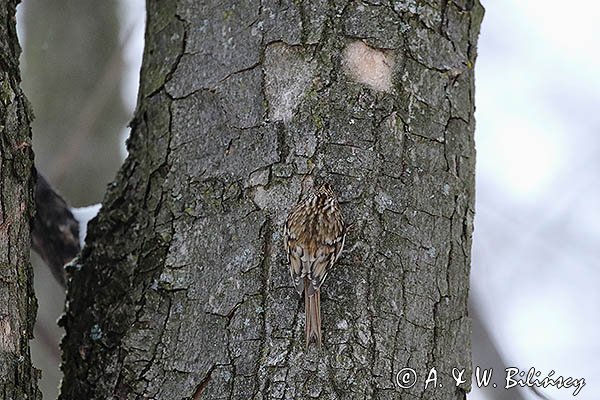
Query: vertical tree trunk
18	378
184	291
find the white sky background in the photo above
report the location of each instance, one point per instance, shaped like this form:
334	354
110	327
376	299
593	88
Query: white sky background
537	228
133	14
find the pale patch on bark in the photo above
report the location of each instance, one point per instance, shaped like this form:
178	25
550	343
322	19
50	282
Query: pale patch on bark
7	337
288	75
369	66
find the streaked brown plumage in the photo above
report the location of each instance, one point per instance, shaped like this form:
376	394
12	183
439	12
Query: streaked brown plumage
314	235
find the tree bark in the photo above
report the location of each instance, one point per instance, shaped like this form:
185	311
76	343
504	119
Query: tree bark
18	378
183	290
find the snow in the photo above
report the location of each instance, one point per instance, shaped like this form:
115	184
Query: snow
84	215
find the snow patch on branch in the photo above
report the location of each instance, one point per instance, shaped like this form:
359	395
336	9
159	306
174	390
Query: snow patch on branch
83	215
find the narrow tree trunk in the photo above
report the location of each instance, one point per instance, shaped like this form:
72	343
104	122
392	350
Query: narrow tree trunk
184	291
18	378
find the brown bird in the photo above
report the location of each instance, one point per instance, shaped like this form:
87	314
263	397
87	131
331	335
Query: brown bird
314	236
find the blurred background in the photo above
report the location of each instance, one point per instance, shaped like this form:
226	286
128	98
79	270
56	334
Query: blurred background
537	226
536	247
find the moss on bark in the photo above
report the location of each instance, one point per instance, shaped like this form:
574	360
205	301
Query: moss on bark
18	378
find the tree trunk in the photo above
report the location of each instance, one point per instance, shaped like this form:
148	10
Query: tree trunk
18	378
183	290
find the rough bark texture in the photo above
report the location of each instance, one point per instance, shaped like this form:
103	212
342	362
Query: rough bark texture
184	290
18	378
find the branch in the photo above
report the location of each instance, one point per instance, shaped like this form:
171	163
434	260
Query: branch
55	231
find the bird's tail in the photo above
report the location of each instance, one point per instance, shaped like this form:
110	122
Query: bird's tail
312	306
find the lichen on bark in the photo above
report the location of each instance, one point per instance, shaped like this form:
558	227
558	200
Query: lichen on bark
184	291
18	378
